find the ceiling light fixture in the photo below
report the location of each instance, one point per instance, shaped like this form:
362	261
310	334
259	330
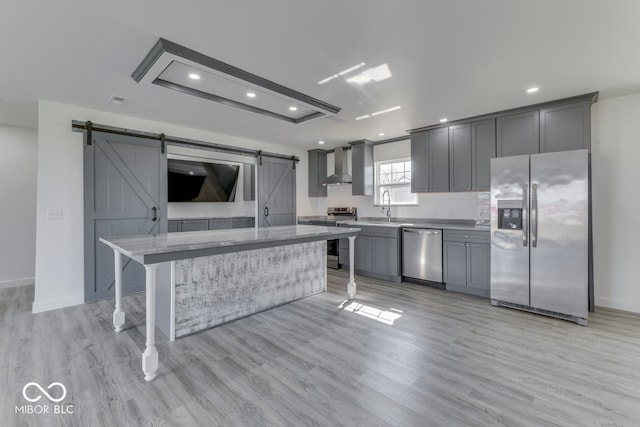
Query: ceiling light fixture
168	64
251	94
381	134
194	76
293	108
532	89
341	73
320	142
443	120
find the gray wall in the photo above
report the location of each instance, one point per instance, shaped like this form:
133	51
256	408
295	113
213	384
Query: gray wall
18	153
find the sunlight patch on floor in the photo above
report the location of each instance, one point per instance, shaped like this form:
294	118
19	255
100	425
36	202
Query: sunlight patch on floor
383	316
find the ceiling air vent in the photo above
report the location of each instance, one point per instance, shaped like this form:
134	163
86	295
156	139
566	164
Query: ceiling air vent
118	100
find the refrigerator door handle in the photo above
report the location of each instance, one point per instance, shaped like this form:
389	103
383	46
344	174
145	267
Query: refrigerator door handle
534	215
525	215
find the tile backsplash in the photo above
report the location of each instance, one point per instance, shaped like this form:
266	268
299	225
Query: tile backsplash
463	205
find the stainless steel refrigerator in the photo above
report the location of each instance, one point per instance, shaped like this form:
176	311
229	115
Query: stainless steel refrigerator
540	234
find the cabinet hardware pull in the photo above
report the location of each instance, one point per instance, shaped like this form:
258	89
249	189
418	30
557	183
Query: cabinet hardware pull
155	214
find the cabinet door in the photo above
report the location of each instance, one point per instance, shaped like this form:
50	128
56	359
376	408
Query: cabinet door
220	223
438	166
460	157
194	225
518	134
385	256
363	253
173	225
483	149
565	127
243	222
478	266
455	263
419	176
362	169
317	173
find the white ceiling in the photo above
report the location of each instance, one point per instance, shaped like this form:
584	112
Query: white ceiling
448	58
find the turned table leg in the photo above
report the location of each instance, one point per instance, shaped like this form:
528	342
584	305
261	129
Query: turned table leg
150	355
118	313
351	287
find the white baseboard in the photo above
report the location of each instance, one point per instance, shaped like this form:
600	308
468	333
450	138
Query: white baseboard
617	304
56	303
17	282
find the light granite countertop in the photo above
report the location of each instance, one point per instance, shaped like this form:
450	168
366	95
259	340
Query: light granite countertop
164	247
445	224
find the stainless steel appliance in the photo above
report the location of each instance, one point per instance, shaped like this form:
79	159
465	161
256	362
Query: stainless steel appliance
422	254
334	214
540	234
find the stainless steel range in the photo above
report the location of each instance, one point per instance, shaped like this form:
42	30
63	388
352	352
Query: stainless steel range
334	215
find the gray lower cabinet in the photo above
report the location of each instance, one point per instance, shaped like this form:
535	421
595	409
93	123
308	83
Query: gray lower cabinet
203	224
518	134
467	262
430	161
565	127
317	172
377	253
194	225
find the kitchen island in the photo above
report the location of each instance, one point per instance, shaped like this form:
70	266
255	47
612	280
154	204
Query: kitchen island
221	275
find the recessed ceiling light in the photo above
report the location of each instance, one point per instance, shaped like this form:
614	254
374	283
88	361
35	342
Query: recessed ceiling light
293	108
532	89
443	120
320	142
251	94
194	76
381	134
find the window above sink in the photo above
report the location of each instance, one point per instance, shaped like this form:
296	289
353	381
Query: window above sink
394	176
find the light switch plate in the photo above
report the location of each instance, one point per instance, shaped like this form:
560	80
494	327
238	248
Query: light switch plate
54	214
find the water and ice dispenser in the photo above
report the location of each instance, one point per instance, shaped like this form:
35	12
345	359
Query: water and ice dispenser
510	214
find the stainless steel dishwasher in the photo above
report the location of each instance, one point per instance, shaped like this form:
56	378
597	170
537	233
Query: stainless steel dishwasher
422	254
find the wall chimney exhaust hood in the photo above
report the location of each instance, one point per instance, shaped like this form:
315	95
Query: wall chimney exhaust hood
341	174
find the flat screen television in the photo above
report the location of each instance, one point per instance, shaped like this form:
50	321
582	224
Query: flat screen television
191	181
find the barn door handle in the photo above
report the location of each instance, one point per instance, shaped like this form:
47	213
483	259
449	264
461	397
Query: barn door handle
266	211
155	214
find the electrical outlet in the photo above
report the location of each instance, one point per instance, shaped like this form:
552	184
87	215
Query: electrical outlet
54	214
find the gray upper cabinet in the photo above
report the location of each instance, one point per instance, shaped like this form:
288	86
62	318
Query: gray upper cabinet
518	134
438	143
430	161
483	149
361	168
249	182
460	167
317	173
419	176
565	127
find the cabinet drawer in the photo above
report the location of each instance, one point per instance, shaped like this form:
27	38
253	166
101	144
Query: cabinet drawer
470	236
373	231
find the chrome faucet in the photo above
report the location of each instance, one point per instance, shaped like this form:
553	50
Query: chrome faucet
388	204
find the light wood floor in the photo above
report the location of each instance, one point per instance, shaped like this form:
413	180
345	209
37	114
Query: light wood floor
449	360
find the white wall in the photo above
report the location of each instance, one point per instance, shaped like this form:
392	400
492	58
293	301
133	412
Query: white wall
616	201
59	273
17	205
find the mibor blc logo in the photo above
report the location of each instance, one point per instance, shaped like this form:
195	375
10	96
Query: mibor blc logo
54	392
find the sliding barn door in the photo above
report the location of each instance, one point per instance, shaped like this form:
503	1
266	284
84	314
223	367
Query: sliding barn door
276	192
125	193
